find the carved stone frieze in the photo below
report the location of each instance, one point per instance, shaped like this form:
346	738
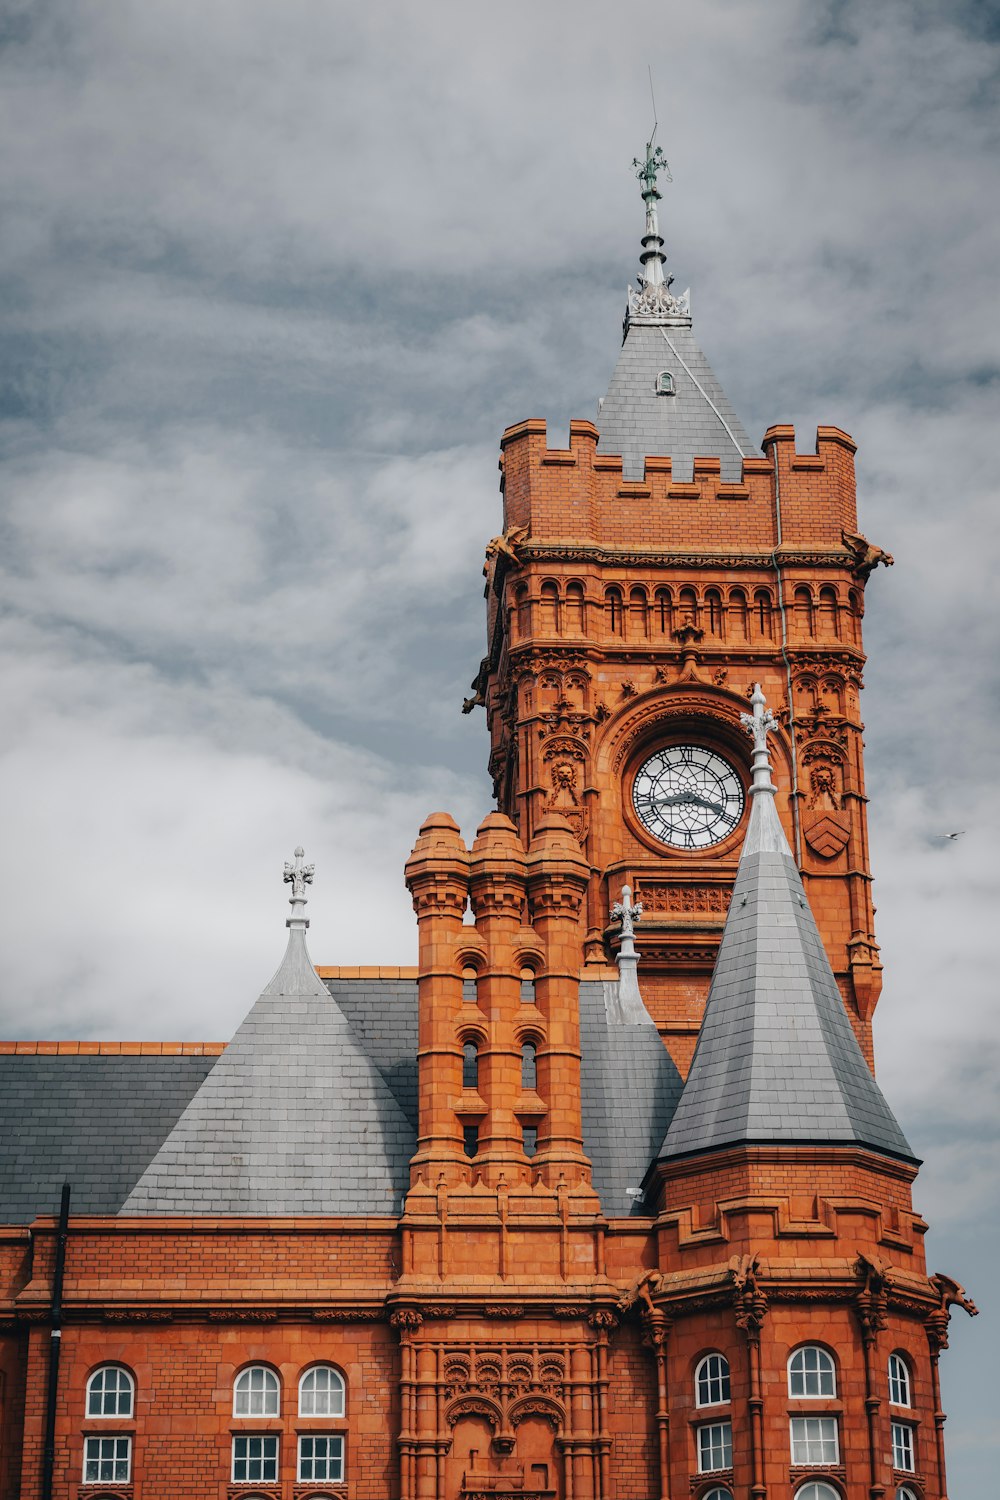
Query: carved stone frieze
674	897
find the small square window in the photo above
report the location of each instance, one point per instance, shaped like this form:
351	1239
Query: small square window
255	1459
715	1447
902	1447
107	1460
815	1440
321	1458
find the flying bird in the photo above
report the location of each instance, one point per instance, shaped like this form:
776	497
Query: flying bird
944	836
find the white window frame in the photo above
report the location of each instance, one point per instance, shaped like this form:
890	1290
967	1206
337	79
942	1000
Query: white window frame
262	1438
809	1435
903	1493
316	1410
267	1390
111	1416
824	1368
719	1493
817	1489
707	1445
335	1438
899	1381
719	1380
101	1441
906	1448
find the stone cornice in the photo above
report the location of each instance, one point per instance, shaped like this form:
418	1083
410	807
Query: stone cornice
655	557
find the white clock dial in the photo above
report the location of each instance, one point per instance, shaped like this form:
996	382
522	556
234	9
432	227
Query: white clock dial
688	797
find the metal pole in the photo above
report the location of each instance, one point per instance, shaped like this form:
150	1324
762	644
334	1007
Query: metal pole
55	1342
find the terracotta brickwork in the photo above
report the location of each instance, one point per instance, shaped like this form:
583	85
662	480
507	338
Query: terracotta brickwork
505	1336
624	616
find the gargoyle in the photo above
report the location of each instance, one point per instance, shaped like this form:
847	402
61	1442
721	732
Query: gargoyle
505	545
640	1291
478	699
866	555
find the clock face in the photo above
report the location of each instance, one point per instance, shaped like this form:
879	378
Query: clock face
688	796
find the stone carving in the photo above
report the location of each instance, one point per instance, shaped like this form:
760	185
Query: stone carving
642	1291
866	556
950	1295
749	1301
479	685
298	875
872	1301
626	912
565	760
473	1406
507	546
603	1320
684	898
406	1320
654	301
347	1315
536	1406
629	689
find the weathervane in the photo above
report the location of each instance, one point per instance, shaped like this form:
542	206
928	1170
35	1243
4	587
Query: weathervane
647	172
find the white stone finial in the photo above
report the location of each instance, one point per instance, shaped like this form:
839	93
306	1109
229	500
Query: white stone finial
628	914
298	876
757	725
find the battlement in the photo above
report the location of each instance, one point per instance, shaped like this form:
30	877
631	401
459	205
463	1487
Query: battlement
575	493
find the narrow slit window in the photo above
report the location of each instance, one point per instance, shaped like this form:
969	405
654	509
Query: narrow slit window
470	1066
470	1139
529	1066
529	1139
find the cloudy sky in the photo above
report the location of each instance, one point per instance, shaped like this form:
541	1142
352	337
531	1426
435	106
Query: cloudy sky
276	276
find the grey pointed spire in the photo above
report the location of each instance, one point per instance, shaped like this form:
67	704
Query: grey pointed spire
777	1060
664	399
294	1118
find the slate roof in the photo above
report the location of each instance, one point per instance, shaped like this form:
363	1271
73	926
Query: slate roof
143	1129
777	1059
630	1088
93	1121
634	421
294	1118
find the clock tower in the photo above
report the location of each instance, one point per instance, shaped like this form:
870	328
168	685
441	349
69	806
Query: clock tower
647	576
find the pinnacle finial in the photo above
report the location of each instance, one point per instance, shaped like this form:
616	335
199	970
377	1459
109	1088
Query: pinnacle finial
627	913
652	258
757	724
298	876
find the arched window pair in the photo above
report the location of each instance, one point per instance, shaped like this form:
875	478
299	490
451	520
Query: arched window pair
257	1392
110	1396
714	1439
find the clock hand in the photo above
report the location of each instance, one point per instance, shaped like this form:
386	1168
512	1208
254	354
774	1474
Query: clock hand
681	799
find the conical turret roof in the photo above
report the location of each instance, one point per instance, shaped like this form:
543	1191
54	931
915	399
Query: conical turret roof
294	1118
777	1060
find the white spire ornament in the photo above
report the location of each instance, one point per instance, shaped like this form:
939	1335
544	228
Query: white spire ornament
298	876
765	832
628	912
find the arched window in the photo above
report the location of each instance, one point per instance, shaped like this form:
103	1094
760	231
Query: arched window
637	623
550	609
574	608
711	1380
738	612
762	612
256	1393
713	609
321	1392
717	1494
614	609
817	1490
665	384
110	1392
811	1373
688	601
829	615
899	1380
523	610
803	607
470	1065
529	1068
664	611
905	1493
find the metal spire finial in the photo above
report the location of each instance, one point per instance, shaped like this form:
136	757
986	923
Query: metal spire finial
652	257
757	725
628	912
298	876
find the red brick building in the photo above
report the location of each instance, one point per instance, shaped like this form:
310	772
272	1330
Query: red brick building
543	1216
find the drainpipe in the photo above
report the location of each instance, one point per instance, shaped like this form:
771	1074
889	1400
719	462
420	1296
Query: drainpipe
55	1341
788	665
